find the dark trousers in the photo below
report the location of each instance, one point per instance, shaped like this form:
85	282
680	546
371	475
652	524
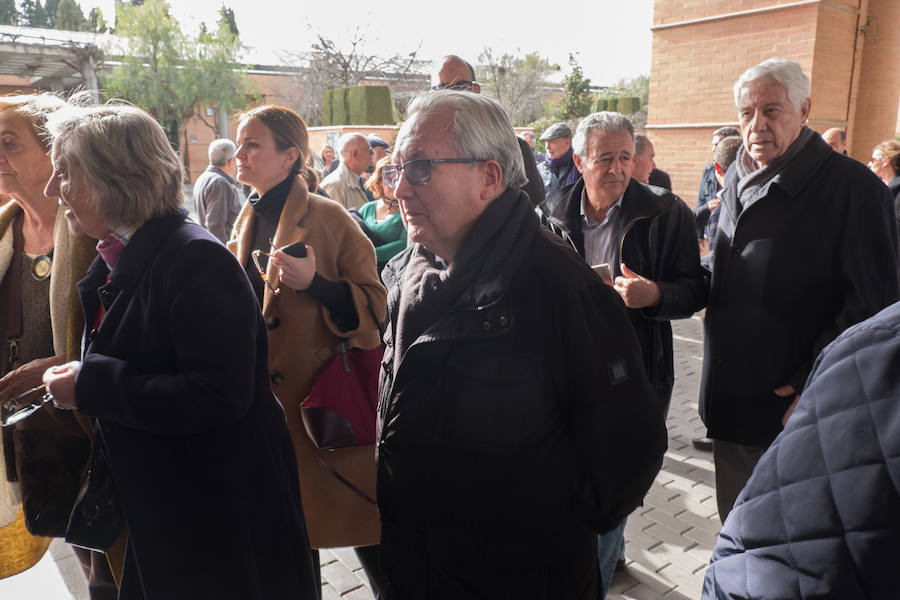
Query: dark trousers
734	465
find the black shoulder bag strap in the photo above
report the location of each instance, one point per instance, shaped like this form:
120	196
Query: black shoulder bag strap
11	293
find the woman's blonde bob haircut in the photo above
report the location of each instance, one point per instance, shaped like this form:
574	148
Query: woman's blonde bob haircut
130	170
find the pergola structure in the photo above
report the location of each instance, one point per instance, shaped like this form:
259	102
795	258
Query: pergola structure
52	59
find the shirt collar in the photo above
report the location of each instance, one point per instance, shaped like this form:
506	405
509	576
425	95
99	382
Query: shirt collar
588	221
270	204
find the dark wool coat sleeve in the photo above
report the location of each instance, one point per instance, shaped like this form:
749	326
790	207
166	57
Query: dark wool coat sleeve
820	516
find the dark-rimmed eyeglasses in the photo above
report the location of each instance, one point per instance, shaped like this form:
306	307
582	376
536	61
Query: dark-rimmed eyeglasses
418	171
14	410
262	272
461	86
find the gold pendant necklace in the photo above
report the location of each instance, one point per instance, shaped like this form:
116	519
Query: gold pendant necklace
40	267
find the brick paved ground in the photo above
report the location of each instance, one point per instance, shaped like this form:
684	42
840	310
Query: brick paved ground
668	540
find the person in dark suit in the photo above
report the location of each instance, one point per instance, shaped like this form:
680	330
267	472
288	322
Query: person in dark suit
174	376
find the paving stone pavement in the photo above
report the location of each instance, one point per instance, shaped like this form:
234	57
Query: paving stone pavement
668	541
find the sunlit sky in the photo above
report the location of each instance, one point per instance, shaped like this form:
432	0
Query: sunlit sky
611	40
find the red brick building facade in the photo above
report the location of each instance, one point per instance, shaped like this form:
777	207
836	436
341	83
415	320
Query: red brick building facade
849	48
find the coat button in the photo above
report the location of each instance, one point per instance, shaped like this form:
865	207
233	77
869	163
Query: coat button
276	377
272	322
486	326
503	321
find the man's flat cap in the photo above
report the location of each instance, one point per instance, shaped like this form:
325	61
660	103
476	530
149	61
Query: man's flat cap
375	141
557	130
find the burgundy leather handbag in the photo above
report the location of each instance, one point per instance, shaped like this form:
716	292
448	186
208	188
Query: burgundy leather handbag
340	409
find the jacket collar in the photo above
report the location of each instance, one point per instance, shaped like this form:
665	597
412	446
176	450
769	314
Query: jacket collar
220	172
142	248
637	202
792	179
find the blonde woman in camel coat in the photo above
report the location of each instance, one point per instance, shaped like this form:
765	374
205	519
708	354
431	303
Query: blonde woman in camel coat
304	332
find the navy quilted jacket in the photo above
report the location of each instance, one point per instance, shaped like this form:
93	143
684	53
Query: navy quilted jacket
820	516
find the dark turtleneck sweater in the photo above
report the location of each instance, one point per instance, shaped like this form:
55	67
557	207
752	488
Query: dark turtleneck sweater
335	296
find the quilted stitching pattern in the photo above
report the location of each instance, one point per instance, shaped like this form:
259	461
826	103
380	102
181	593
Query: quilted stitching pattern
820	516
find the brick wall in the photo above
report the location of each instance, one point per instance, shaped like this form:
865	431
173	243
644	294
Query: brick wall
700	47
874	116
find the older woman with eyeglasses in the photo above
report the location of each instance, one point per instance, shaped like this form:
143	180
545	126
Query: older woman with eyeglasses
174	378
319	290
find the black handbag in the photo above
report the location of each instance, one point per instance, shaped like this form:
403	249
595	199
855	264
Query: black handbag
96	520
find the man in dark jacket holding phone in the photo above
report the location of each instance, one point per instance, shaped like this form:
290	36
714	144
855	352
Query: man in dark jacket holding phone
646	235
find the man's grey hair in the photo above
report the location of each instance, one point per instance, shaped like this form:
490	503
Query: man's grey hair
480	129
608	122
221	151
786	72
528	134
349	140
640	144
727	131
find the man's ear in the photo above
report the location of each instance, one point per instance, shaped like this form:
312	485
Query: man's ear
577	160
492	182
804	110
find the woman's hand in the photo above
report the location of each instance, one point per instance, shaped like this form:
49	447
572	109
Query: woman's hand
60	382
26	377
296	273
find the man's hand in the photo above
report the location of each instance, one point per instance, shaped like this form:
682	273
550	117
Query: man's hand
786	391
26	377
60	382
296	273
714	203
637	291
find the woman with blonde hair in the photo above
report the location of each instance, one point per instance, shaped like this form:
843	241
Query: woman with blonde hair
173	374
45	454
318	290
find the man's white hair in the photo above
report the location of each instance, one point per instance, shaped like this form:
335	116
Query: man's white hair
221	151
606	121
788	73
480	129
348	142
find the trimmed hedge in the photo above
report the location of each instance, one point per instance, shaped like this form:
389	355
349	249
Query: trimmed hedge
359	105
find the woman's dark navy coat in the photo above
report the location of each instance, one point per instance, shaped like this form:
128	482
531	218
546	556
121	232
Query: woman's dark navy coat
176	379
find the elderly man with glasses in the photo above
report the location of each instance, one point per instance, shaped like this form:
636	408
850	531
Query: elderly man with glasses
457	74
515	420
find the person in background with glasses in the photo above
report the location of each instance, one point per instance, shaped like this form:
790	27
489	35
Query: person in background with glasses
174	377
515	418
44	455
381	219
318	288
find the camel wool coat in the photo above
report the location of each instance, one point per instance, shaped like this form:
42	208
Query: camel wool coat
303	339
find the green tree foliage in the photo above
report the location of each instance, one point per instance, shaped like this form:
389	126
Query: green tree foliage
97	23
578	100
516	83
173	75
227	15
34	14
9	13
70	17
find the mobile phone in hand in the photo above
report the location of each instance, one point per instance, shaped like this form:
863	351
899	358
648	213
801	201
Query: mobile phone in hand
604	272
297	250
